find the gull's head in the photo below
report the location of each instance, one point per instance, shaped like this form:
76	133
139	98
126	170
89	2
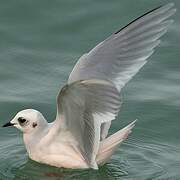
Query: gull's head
28	121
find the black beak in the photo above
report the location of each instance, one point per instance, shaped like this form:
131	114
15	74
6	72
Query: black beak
8	124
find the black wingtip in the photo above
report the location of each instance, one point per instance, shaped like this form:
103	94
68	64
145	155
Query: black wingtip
169	5
137	19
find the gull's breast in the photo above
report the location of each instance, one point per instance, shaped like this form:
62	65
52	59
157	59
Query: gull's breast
62	152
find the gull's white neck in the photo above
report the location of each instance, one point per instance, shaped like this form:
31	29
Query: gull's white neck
32	140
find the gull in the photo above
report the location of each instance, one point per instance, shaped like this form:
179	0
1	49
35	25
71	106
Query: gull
86	105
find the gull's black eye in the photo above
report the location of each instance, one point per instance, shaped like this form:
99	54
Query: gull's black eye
21	120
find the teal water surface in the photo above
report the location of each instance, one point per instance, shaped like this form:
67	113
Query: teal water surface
40	42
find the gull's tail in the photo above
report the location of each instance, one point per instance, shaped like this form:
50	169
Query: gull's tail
110	144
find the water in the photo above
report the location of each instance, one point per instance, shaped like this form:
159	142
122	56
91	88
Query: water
40	43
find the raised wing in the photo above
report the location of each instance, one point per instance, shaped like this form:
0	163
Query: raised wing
82	107
119	58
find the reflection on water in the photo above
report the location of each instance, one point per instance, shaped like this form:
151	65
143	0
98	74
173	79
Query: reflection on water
134	159
33	170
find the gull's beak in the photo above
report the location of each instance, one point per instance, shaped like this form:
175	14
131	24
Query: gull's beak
8	124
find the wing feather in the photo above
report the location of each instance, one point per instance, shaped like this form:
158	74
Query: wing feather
121	56
127	47
90	100
84	106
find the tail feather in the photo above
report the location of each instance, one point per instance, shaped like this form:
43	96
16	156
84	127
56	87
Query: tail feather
110	144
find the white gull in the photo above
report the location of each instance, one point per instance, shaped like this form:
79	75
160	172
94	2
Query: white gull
78	138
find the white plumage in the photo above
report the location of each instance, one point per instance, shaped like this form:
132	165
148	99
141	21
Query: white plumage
91	99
